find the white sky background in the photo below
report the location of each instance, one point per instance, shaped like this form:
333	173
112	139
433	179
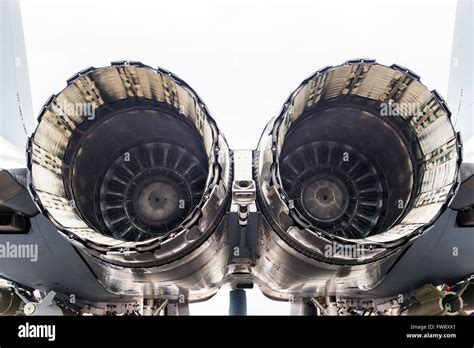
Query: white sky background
242	57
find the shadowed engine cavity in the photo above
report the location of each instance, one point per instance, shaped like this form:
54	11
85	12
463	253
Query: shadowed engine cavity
359	151
128	154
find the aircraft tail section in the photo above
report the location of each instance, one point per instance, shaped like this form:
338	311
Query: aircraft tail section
16	112
460	92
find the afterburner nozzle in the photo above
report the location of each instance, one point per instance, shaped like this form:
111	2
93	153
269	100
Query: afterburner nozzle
128	153
359	151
